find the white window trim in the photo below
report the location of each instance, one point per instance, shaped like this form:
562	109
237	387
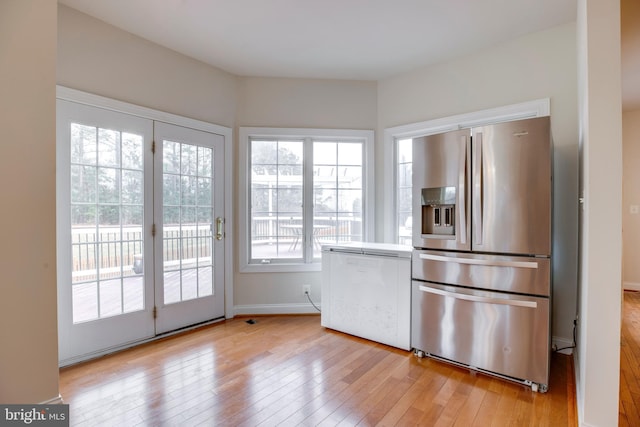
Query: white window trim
86	98
524	110
368	205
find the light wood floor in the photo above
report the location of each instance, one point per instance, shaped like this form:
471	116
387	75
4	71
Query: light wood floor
630	361
288	370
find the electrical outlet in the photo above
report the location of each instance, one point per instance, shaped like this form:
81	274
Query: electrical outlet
306	290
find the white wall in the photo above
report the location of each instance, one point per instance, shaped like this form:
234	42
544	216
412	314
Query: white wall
540	65
28	324
630	196
298	103
98	58
598	352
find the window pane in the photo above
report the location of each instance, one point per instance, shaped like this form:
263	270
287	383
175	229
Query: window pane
83	215
131	151
170	190
337	193
205	161
108	185
404	149
350	176
290	152
83	184
289	200
349	201
132	215
189	161
325	153
83	144
188	190
108	215
85	302
264	152
204	192
108	147
325	201
278	188
170	157
110	298
349	154
276	199
107	195
405	171
132	187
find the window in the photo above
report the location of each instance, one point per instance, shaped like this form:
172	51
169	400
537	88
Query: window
404	152
305	188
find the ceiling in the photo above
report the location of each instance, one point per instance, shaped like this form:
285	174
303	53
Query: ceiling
338	39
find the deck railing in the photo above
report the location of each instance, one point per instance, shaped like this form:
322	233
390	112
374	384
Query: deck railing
110	248
327	229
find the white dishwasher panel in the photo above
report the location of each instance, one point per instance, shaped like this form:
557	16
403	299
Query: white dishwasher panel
368	294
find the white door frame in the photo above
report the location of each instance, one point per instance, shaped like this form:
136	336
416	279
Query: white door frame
86	98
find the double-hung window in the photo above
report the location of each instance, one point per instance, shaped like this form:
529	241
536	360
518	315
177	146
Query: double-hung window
304	188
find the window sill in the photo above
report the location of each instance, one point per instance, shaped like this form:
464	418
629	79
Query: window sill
280	268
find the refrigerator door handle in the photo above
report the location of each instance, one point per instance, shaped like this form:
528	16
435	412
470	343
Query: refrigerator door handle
477	190
475	298
462	194
475	261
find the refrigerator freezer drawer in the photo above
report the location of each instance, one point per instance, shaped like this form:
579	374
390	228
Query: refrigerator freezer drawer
527	275
501	333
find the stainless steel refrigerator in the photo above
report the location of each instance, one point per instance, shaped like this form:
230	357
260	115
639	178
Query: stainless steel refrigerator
481	270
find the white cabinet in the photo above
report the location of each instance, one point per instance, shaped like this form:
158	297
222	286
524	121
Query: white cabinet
366	291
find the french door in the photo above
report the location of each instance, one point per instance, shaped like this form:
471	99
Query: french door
189	273
139	250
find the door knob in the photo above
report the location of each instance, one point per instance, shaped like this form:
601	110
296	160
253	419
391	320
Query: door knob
219	228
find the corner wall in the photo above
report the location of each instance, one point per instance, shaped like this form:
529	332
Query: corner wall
600	291
28	306
99	58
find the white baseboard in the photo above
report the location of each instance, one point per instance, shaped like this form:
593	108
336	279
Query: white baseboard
54	401
301	308
561	342
631	286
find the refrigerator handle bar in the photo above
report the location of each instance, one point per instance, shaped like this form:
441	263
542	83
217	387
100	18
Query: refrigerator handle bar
462	194
474	261
474	298
477	190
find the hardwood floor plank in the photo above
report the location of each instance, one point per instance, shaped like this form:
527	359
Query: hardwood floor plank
629	406
290	371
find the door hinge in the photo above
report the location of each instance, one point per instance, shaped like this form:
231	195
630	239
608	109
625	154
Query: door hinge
153	230
153	147
155	312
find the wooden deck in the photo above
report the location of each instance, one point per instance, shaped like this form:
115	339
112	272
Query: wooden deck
289	370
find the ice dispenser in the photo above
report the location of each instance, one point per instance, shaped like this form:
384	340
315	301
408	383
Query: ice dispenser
438	211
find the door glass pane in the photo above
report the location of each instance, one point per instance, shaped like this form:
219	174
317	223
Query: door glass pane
107	196
187	221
